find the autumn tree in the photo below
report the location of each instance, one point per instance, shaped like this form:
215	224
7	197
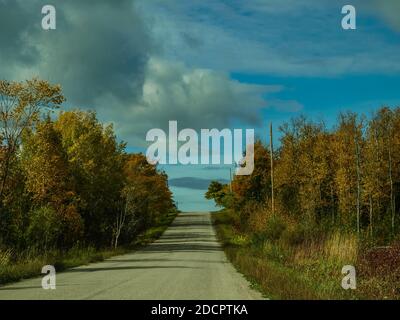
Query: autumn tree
343	178
382	158
150	186
96	163
256	186
48	180
217	192
348	148
21	104
305	172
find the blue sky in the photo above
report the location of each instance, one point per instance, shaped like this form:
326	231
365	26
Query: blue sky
207	64
298	47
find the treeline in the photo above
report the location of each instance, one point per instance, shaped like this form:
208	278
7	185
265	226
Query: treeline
347	178
65	180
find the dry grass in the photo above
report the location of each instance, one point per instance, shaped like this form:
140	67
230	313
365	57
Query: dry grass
341	247
272	279
309	267
337	248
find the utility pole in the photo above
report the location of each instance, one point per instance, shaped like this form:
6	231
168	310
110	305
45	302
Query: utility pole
230	179
272	168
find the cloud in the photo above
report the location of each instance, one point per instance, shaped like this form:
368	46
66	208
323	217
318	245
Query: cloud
98	49
279	37
196	98
16	49
107	57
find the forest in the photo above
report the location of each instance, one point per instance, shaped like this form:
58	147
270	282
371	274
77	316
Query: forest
66	182
332	196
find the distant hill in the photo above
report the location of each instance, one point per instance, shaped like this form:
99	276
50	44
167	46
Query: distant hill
193	183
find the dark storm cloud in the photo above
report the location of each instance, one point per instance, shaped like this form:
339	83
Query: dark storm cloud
107	57
16	23
99	49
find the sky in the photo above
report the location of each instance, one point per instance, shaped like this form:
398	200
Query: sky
206	64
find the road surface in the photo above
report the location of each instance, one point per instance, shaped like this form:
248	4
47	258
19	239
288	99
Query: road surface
187	262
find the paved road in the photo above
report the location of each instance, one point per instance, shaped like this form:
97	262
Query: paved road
187	262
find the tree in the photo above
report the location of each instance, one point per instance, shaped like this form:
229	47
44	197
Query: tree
349	152
96	163
21	104
217	192
45	165
304	172
382	158
256	186
44	228
149	186
48	178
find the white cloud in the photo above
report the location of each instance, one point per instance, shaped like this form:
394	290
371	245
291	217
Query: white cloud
196	98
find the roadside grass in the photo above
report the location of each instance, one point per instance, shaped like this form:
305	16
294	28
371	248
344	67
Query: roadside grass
307	271
29	263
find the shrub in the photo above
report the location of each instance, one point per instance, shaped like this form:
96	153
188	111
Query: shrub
5	257
44	227
293	236
272	231
239	240
275	228
258	220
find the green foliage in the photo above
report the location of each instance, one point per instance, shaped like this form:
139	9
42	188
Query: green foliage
44	228
309	268
272	231
335	197
65	180
274	228
96	167
340	179
218	192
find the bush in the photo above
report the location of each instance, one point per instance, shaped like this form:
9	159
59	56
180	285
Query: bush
301	232
273	231
44	227
275	228
239	240
71	228
252	217
293	236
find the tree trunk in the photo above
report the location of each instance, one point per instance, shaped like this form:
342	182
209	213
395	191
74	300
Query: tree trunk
116	240
371	228
272	168
358	185
4	177
333	206
392	205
